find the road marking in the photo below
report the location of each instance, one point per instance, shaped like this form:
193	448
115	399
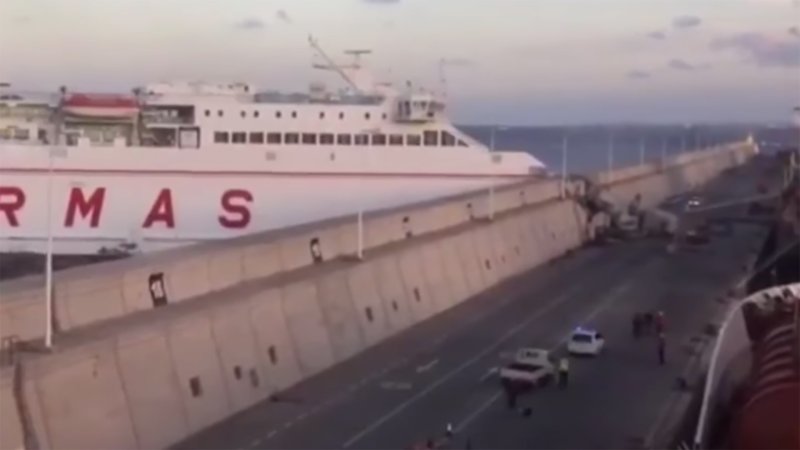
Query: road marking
255	443
396	385
428	366
477	412
492	371
612	298
492	347
271	434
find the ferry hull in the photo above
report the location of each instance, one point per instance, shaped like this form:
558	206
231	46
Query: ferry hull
95	205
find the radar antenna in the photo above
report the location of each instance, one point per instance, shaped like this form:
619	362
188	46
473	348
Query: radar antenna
356	54
332	65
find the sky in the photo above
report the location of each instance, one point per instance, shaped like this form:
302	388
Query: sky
520	62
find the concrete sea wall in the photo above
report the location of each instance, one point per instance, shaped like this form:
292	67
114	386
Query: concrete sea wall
156	347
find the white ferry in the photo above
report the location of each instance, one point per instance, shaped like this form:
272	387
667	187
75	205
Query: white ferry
177	163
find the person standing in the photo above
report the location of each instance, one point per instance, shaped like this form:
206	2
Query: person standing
563	373
662	344
660	323
511	394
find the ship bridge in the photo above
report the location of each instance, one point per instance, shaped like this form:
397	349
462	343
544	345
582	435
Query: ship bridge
417	107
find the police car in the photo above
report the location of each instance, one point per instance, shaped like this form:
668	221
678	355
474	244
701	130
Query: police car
585	342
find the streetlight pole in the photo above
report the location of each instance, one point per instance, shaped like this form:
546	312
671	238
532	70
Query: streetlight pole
48	284
610	153
663	150
492	161
564	150
491	176
360	218
683	138
698	139
641	150
360	251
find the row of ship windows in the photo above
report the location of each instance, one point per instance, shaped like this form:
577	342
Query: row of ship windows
279	114
428	138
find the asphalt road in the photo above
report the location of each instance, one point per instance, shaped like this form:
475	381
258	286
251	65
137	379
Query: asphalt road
408	388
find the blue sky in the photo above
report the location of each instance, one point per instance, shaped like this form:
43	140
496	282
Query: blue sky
509	61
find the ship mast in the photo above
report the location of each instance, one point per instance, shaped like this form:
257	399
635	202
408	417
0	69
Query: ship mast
443	78
339	69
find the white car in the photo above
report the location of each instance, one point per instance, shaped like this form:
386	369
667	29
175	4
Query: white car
531	367
585	342
526	375
694	202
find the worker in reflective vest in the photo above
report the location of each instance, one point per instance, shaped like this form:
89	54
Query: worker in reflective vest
563	373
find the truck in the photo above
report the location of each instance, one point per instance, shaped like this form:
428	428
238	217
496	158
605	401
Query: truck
530	368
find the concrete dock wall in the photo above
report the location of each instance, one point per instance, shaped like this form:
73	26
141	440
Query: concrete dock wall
89	294
241	320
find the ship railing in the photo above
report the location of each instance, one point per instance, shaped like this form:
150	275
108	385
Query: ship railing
732	342
302	98
159	120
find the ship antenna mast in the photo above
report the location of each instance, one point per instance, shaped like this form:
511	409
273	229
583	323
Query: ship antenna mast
443	78
331	65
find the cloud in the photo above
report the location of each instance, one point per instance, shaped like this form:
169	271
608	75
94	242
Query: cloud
250	23
459	62
680	64
762	50
381	2
794	31
638	75
686	22
283	16
657	35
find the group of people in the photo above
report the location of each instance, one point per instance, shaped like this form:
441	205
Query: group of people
648	323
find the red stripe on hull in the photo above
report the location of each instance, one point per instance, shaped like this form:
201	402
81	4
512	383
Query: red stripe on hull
250	173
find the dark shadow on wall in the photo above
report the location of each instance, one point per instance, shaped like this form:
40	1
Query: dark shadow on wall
783	270
15	265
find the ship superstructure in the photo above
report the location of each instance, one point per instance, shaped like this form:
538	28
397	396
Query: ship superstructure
175	163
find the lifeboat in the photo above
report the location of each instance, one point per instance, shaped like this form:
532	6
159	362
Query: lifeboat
107	106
